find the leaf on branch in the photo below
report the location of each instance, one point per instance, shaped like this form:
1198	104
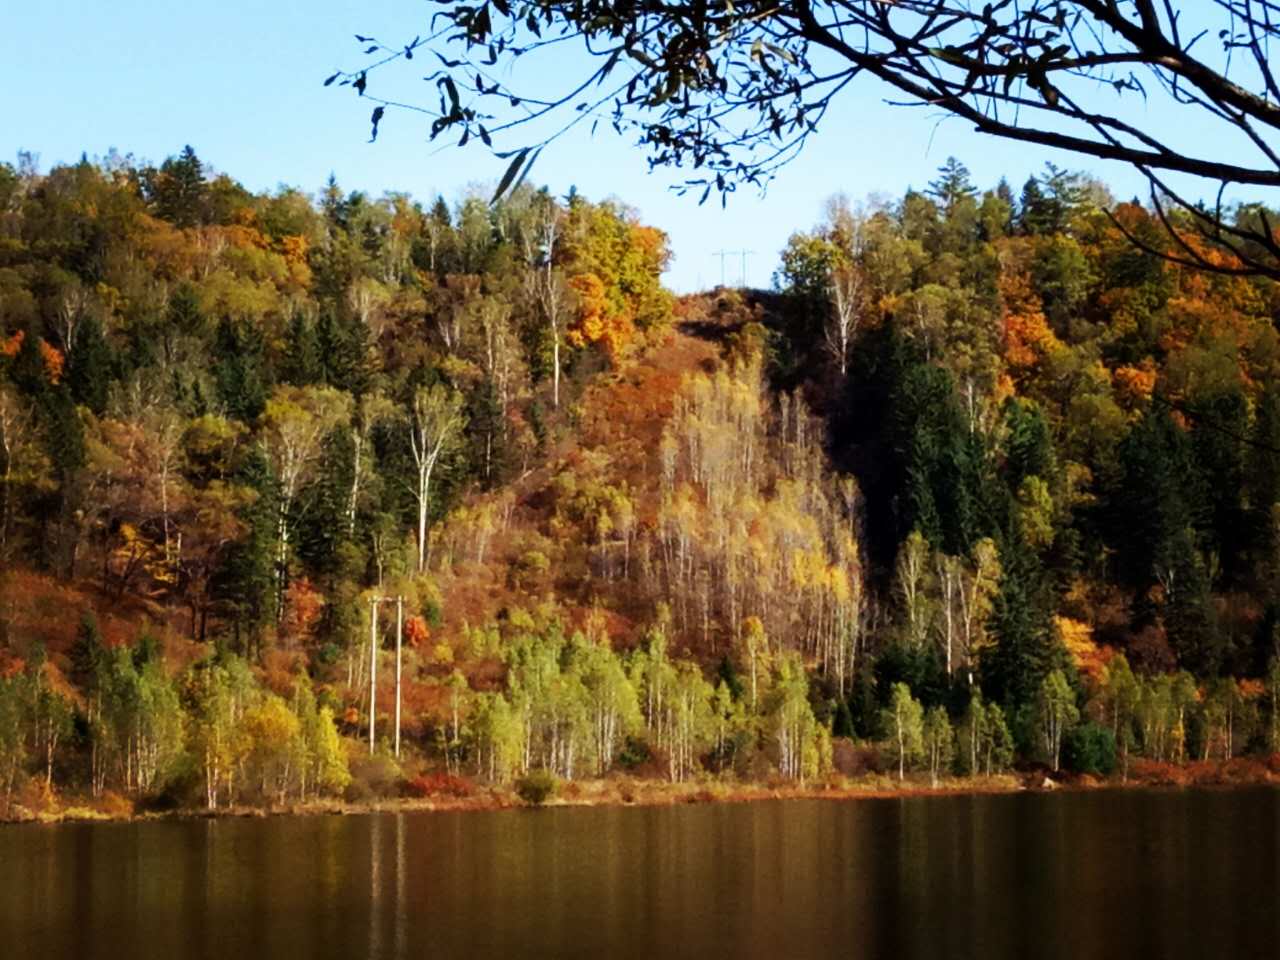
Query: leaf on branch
333	78
525	172
512	169
451	89
375	119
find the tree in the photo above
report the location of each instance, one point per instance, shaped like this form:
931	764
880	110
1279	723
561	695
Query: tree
499	737
912	586
89	366
295	424
697	78
614	711
1273	693
218	693
979	581
370	411
938	741
1121	693
22	464
904	720
1057	711
997	743
1014	666
324	762
275	753
548	282
952	187
12	737
178	190
791	717
51	716
435	420
972	732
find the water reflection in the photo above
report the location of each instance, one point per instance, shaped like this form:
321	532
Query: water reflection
1104	874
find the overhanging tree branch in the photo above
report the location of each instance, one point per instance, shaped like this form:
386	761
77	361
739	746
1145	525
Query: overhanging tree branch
733	90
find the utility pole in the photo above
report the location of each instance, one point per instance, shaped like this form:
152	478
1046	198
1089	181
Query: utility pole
373	667
399	635
722	254
725	254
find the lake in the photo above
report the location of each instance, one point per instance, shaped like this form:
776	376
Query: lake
1135	874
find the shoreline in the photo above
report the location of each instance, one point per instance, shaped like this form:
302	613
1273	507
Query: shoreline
625	792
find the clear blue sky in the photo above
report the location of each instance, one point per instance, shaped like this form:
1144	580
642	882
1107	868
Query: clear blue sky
240	80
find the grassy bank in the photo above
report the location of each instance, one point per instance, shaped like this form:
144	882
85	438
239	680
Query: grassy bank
628	791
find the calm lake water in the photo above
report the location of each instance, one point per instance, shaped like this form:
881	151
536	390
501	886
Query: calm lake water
1106	874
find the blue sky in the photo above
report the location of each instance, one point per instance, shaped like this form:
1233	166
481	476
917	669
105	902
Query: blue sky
241	81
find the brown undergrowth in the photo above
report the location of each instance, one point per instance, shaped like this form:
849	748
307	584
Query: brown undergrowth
448	793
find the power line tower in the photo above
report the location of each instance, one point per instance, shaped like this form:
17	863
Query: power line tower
723	255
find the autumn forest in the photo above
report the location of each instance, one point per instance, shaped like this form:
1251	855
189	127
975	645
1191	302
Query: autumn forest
983	487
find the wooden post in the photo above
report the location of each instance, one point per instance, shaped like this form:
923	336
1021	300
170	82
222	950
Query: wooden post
399	634
373	668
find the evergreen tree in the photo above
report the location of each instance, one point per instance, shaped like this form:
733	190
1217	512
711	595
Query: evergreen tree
1024	649
1157	502
1028	443
1035	215
1004	193
238	371
244	582
1262	481
88	373
952	187
301	365
346	355
178	190
1220	432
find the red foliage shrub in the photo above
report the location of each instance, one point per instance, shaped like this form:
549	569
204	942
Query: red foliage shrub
439	784
1158	773
416	632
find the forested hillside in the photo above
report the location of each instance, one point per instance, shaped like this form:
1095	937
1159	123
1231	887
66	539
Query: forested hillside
981	482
